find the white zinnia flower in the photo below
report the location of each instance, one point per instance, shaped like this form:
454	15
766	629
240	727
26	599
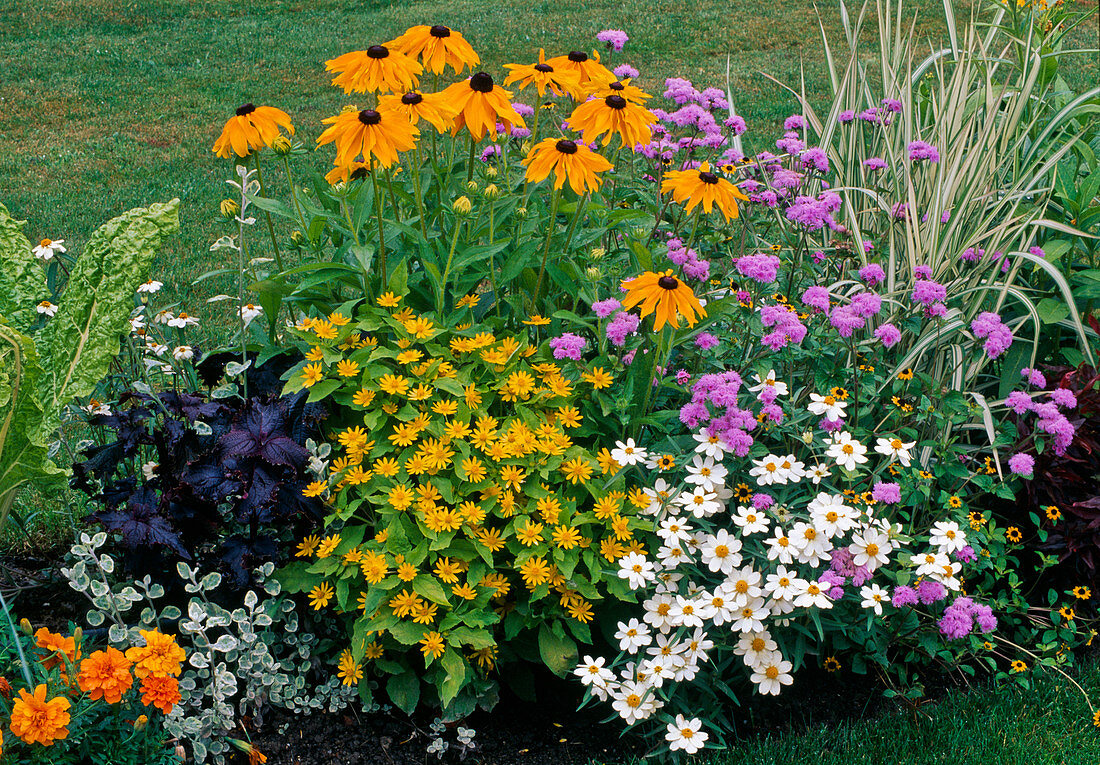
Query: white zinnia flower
818	472
700	502
783	584
870	548
633	635
593	672
46	308
771	673
895	448
721	552
675	530
811	545
635	701
684	734
710	445
636	569
846	451
873	597
248	312
750	616
753	646
829	406
780	547
768	470
685	612
150	287
769	381
830	515
628	453
947	536
751	521
48	248
705	473
812	594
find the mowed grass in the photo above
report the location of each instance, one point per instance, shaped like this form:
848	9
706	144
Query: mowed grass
1049	725
110	104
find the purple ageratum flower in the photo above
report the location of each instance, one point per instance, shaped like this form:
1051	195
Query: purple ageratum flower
900	210
705	341
922	272
604	308
886	492
831	426
845	116
1037	251
1064	398
814	214
920	151
816	159
1019	402
761	501
760	267
887	334
903	595
966	554
818	257
937	310
615	38
490	152
926	292
892	104
625	71
866	304
846	321
568	346
622	326
680	90
699	270
794	122
1022	464
683	377
786	179
997	336
984	618
955	624
872	274
1034	377
736	123
875	163
931	592
972	254
523	110
787	328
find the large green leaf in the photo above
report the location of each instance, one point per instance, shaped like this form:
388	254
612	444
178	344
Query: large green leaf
78	344
22	283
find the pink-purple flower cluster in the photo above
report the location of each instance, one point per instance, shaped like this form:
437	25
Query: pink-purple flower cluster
728	421
786	328
963	615
622	325
615	38
815	213
989	327
568	346
920	151
760	267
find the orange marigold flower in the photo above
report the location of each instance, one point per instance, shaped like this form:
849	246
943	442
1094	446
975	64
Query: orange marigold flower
38	721
160	691
55	646
252	127
159	656
105	675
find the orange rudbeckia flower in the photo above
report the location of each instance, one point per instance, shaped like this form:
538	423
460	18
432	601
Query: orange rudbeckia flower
613	114
701	186
374	69
590	71
251	128
360	135
438	47
544	76
569	161
665	296
480	105
431	107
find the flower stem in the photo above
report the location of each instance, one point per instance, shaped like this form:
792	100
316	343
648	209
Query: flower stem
417	191
550	226
573	226
294	196
267	215
470	161
378	214
442	296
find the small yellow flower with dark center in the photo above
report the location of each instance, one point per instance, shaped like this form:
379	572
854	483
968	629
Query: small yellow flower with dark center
311	375
438	47
1019	666
1053	513
251	128
320	595
480	105
590	72
432	645
613	115
1067	613
1082	593
545	76
832	664
1012	534
369	133
665	296
954	502
377	68
905	374
692	188
569	161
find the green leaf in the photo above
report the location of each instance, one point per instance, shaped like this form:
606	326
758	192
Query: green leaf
455	667
295	577
428	587
475	638
559	652
1052	311
21	284
404	690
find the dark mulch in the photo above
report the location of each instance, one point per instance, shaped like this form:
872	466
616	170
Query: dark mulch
37	591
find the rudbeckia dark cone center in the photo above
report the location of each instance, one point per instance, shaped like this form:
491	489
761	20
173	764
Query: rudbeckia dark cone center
359	172
567	147
668	282
578	56
370	117
409	99
246	109
543	68
378	51
616	86
708	177
615	101
482	83
439	31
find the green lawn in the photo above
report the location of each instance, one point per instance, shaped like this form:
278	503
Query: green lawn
1050	725
110	104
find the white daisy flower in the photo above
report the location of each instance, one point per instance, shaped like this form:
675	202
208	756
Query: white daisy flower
47	249
182	321
750	616
700	502
685	735
753	646
811	545
830	407
635	701
769	381
812	594
150	287
947	536
183	353
593	672
781	548
895	449
248	312
771	673
685	612
633	635
818	472
721	552
751	521
636	569
873	598
830	515
871	548
846	451
46	308
710	445
768	470
783	584
674	530
628	453
705	473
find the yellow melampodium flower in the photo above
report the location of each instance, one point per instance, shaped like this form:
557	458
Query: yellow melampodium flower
349	670
692	188
432	645
665	296
320	595
311	375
